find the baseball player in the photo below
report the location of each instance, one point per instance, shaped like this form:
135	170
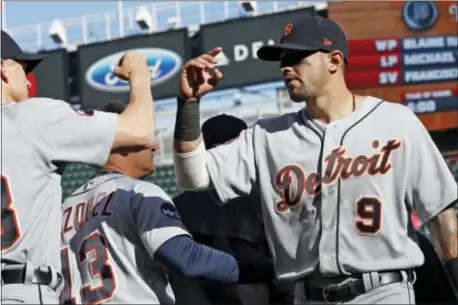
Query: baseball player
235	228
120	235
39	135
337	179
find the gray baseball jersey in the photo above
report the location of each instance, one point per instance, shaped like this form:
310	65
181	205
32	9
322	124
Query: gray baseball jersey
335	196
37	135
111	229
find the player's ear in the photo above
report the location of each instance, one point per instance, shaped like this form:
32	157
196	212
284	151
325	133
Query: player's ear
4	76
335	61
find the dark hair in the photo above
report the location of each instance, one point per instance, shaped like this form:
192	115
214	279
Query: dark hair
113	107
221	129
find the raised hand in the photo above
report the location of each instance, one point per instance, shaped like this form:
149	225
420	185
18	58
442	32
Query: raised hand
130	63
198	76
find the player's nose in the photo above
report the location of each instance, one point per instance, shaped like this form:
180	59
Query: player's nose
285	71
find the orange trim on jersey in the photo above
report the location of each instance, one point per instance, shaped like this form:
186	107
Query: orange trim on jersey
80	215
290	198
313	184
367	225
67	213
97	274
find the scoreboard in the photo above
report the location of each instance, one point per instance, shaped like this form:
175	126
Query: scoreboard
407	61
374	62
405	52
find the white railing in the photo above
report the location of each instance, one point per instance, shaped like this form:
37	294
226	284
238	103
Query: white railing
106	26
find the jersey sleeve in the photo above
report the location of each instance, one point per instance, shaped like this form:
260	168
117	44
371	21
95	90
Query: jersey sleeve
431	186
232	167
157	221
61	134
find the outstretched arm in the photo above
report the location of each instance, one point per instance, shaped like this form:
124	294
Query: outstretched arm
167	241
184	256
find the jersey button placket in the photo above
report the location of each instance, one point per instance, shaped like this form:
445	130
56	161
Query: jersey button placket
328	208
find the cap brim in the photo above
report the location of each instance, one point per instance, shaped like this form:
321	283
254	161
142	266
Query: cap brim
274	52
31	60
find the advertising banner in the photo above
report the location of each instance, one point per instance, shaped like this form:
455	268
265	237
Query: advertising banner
240	40
165	53
50	77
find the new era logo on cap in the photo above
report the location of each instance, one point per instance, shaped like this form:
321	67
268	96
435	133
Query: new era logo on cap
326	42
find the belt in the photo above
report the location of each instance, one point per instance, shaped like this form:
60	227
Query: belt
16	274
346	292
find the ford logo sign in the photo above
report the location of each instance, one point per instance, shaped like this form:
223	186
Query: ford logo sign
164	64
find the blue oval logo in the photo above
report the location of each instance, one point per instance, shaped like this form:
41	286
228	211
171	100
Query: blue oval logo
163	64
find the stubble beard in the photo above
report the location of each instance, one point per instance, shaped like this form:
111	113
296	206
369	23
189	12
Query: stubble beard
298	95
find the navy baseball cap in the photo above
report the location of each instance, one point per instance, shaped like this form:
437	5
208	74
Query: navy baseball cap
221	129
11	50
308	34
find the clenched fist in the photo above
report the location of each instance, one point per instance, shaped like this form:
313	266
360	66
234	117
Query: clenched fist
130	63
198	76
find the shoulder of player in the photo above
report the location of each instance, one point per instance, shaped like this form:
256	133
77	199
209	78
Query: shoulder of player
35	107
42	102
49	105
276	123
149	190
397	112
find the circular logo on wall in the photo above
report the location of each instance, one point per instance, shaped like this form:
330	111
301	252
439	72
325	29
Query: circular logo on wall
420	16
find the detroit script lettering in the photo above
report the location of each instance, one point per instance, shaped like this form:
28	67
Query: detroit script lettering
291	181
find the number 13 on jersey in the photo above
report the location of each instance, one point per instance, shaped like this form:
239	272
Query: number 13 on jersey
94	267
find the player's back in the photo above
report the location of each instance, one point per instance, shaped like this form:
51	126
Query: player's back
31	197
101	226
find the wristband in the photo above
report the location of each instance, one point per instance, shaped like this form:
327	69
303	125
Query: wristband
187	124
452	268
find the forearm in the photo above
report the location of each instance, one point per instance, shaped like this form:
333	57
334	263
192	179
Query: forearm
184	256
136	124
444	234
187	136
189	156
188	258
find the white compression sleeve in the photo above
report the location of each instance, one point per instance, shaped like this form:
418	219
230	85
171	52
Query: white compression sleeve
191	169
